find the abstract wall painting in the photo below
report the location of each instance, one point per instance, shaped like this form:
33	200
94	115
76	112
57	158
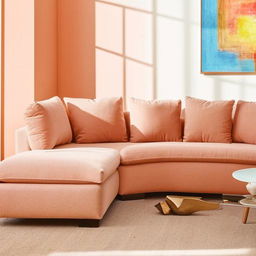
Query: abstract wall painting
228	37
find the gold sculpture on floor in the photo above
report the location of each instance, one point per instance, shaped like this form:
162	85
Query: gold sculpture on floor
185	205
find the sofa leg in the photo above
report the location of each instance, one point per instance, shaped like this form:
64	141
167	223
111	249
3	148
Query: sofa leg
89	223
131	197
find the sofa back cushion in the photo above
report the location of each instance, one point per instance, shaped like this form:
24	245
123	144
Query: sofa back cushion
244	122
47	124
127	123
155	120
208	121
98	120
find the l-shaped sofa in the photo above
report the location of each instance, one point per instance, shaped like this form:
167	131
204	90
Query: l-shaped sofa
80	181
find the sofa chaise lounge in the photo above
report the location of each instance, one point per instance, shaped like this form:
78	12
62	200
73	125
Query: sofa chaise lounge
141	168
79	181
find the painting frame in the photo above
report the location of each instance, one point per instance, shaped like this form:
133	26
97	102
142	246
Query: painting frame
208	72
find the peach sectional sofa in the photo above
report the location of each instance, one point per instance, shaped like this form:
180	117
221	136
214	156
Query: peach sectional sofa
80	181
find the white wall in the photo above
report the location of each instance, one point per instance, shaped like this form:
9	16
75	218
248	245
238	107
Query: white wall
151	49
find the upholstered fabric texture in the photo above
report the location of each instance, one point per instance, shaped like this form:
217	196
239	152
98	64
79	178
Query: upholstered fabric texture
156	152
208	121
69	201
99	120
155	120
21	140
191	177
61	166
47	124
245	122
114	145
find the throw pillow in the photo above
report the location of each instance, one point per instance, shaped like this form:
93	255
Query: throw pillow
97	120
155	120
208	121
47	124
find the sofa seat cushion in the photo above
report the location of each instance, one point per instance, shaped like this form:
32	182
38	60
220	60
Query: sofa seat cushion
61	166
188	151
114	145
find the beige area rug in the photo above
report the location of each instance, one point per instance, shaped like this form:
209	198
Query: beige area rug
134	228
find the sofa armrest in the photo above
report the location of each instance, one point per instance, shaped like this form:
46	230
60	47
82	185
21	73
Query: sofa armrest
21	140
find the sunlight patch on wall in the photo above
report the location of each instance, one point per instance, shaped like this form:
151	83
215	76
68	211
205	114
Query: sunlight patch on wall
172	8
109	27
109	76
138	36
139	80
170	59
140	4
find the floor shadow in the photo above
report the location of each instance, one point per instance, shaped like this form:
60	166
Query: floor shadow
40	222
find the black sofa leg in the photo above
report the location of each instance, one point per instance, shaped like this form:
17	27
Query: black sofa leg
131	197
89	223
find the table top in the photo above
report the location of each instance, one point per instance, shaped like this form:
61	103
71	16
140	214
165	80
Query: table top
246	175
247	201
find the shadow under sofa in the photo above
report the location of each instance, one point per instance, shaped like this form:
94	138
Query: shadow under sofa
141	168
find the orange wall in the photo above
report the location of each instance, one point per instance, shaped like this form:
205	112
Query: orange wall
76	48
18	66
2	79
46	43
30	65
49	50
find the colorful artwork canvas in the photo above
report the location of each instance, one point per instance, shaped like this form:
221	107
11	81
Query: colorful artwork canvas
228	36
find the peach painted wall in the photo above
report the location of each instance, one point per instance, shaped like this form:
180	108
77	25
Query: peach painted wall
76	44
19	66
46	43
1	77
49	50
30	60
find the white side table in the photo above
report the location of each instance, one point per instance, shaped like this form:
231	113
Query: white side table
249	176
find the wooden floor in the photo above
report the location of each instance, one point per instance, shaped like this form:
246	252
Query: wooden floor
134	228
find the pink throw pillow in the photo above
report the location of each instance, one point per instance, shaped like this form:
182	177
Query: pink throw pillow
155	120
244	122
208	121
47	124
99	120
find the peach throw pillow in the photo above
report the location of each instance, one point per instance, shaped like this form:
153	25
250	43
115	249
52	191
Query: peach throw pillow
47	124
208	121
244	122
155	120
99	120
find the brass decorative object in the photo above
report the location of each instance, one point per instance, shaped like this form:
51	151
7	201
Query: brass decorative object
185	205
